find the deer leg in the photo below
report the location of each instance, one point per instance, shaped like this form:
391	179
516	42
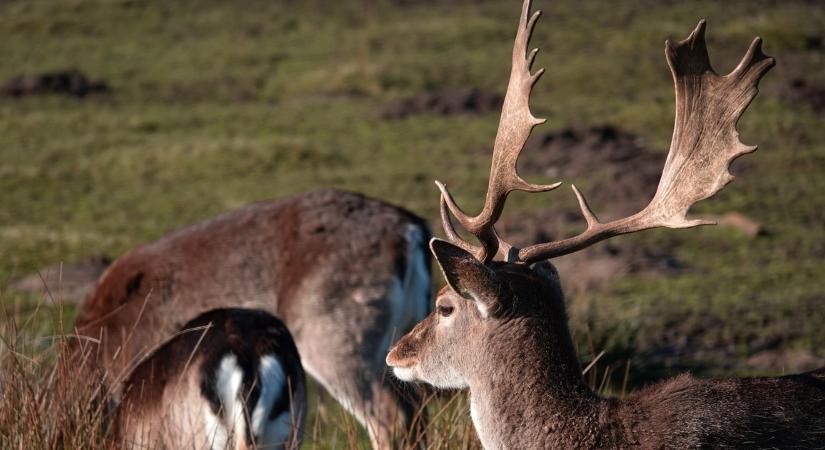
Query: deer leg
373	399
343	345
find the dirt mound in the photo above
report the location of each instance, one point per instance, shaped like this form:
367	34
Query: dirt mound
620	175
591	268
786	359
70	82
803	92
815	42
444	102
624	174
621	171
66	282
703	343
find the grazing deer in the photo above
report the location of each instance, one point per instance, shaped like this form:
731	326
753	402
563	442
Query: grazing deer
500	326
231	378
347	275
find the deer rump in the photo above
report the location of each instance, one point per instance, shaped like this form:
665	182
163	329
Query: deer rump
347	274
230	378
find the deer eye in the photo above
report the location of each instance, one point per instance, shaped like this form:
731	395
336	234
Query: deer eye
444	311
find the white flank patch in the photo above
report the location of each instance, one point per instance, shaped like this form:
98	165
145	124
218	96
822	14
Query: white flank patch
227	386
409	297
272	380
417	283
397	310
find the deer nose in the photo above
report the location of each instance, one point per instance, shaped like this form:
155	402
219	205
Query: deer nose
395	360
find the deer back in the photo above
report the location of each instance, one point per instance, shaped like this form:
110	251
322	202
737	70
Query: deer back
295	257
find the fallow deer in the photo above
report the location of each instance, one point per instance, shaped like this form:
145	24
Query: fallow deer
500	325
230	379
347	274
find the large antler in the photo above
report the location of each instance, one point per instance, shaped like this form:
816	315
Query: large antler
514	128
705	142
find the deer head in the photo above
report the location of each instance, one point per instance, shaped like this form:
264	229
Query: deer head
483	306
498	295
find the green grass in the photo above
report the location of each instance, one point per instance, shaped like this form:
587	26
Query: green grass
216	105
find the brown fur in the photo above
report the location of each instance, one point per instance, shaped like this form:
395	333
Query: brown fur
527	390
323	261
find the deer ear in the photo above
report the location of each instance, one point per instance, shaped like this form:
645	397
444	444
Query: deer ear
468	277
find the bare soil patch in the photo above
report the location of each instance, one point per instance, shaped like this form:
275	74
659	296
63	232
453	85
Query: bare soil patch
788	360
701	342
802	91
814	42
622	170
71	82
624	174
444	102
592	268
65	282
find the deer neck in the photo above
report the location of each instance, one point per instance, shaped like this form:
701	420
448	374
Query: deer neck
529	391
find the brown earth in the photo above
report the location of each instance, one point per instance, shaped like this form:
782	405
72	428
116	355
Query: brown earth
791	361
444	102
592	268
802	91
815	42
71	82
699	343
599	154
623	174
64	282
602	153
621	170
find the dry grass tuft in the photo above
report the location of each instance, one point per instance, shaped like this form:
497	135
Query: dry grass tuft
49	399
43	401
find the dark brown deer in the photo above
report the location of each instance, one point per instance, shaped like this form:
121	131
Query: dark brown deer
346	273
229	379
500	326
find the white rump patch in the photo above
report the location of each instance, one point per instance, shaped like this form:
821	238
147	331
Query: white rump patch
273	381
231	423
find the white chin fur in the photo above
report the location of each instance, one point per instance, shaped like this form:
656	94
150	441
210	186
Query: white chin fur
404	373
410	374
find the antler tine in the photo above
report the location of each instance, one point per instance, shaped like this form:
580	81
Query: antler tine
704	144
514	128
505	250
449	229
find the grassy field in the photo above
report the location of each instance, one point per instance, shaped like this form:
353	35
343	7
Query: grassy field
212	106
